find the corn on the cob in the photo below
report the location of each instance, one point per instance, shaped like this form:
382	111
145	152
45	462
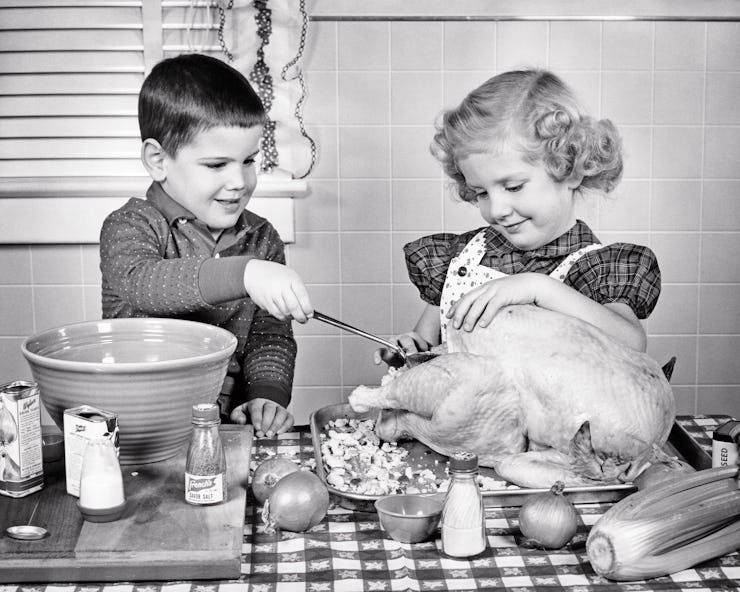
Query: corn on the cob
669	527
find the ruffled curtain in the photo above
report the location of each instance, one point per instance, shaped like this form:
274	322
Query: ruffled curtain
264	39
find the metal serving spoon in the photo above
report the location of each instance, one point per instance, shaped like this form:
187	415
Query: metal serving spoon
400	357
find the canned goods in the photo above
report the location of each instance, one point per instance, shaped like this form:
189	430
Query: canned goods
21	461
724	444
82	424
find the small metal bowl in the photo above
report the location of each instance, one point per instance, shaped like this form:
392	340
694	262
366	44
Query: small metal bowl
52	444
409	518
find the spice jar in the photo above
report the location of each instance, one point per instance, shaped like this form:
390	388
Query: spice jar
101	482
205	469
463	516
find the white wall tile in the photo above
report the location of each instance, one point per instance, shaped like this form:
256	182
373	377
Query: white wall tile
470	46
719	309
416	97
627	46
723	90
722	152
677	152
723	46
676	311
319	209
363	46
416	45
364	152
678	256
363	98
679	46
721	205
718	360
626	97
374	194
410	156
521	45
15	264
365	257
678	100
719	260
675	205
575	46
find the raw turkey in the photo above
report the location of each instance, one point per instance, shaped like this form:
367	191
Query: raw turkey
537	395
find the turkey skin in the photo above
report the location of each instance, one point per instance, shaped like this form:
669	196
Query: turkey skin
537	395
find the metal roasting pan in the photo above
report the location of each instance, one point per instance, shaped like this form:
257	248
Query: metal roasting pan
420	456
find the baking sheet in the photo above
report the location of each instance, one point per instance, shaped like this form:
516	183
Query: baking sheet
421	456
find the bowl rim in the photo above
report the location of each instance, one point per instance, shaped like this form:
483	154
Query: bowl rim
400	515
127	367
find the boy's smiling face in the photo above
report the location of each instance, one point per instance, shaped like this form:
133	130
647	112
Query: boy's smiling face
214	175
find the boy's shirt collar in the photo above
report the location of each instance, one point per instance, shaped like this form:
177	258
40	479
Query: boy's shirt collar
577	237
175	214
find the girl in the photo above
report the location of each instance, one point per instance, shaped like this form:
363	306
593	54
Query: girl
521	148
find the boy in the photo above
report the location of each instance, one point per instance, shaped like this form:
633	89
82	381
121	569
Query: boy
191	250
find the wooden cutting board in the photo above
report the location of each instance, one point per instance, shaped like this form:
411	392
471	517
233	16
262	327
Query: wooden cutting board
159	536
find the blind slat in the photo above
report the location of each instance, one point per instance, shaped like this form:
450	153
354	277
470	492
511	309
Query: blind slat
29	106
65	84
43	148
39	62
79	39
70	127
71	167
69	18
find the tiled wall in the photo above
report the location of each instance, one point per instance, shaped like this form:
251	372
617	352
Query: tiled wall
374	90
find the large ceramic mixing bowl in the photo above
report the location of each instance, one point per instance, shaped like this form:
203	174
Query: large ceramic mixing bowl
149	371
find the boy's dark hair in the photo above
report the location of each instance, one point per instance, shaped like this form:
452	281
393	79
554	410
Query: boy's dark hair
191	93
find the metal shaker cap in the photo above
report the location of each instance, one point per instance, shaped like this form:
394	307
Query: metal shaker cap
463	461
206	412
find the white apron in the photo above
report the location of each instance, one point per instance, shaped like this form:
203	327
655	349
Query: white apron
465	273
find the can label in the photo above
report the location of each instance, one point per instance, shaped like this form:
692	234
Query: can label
724	444
204	489
82	424
21	461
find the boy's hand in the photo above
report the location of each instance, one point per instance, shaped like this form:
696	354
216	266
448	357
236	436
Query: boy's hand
410	342
480	305
277	289
268	418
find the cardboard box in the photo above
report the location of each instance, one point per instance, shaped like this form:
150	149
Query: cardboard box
81	424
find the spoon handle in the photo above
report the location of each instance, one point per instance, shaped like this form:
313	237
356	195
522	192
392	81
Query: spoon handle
319	316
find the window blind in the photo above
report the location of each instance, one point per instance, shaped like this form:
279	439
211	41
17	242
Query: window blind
70	74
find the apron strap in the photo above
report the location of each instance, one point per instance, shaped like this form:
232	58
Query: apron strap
562	270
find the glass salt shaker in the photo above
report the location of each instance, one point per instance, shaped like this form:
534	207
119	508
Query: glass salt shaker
463	516
101	482
205	469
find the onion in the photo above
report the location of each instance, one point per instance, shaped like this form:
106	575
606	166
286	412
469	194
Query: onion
548	519
267	475
661	471
298	502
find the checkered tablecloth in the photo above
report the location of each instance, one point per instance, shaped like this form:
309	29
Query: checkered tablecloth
348	551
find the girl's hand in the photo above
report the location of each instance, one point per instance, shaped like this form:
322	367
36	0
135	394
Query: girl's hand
268	418
277	289
480	305
410	342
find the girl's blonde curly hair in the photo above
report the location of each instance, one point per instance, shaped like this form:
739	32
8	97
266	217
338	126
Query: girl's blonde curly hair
535	112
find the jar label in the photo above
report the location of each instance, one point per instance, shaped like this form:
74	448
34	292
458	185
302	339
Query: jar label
204	489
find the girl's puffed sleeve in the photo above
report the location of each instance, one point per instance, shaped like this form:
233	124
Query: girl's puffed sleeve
620	272
427	260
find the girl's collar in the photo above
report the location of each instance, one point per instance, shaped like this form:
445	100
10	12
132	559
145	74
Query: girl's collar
579	236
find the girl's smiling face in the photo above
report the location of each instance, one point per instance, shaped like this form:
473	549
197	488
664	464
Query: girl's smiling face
519	199
215	175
